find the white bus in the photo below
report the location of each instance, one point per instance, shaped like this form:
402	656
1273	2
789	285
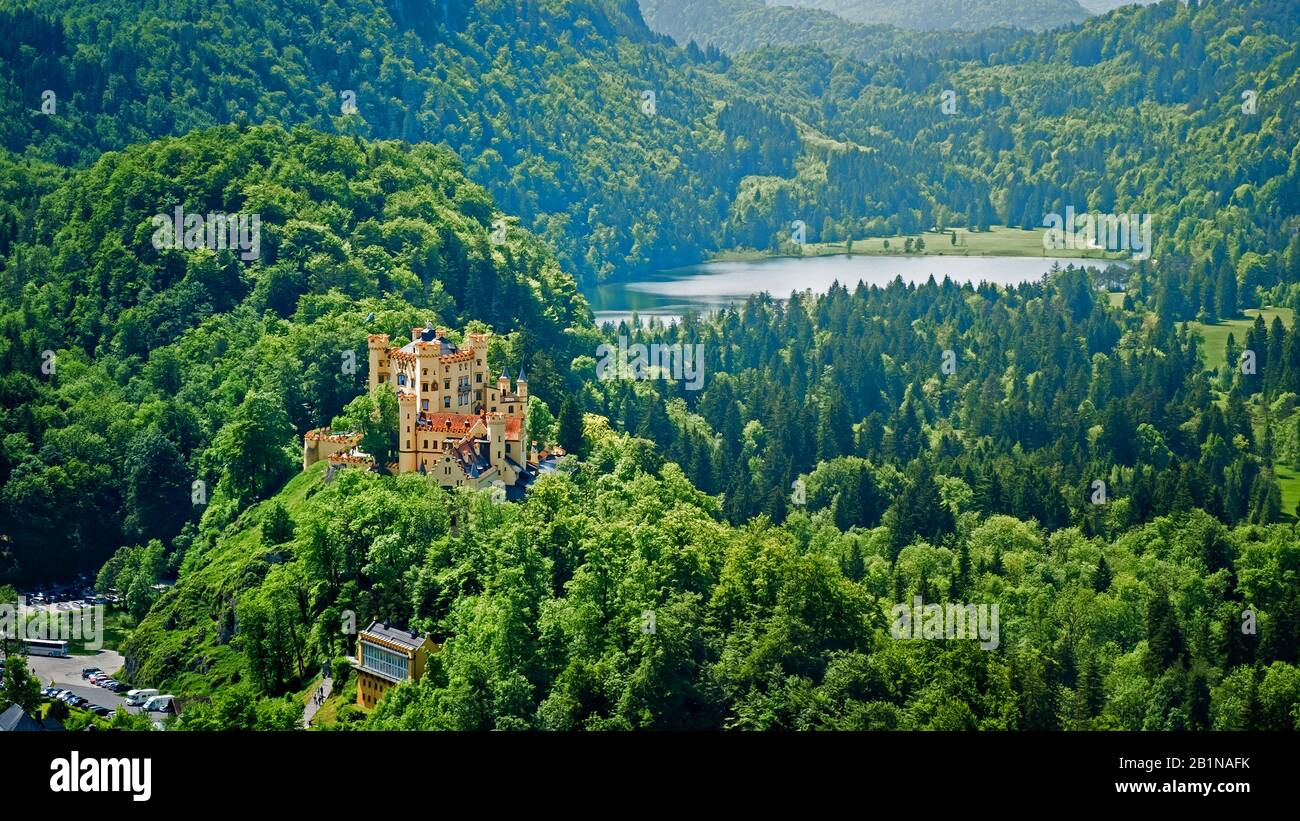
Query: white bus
46	647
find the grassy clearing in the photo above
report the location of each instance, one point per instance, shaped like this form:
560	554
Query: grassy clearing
998	241
1289	481
1216	335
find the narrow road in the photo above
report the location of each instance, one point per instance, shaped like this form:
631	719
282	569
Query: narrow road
326	687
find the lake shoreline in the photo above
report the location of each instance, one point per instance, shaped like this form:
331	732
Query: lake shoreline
672	292
998	241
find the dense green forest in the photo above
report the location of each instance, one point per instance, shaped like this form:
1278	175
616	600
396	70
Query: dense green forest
1051	388
1083	450
1128	114
160	357
543	102
540	98
542	609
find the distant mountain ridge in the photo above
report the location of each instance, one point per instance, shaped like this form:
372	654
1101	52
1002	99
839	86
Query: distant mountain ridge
961	15
735	26
1103	6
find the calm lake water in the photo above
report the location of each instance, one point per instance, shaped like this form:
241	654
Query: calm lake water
710	286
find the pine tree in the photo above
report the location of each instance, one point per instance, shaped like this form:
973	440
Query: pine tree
1164	639
1197	706
1101	578
569	434
1091	687
1281	640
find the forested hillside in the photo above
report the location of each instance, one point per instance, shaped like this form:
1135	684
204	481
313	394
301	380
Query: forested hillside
1085	451
545	103
542	608
161	358
1142	111
542	100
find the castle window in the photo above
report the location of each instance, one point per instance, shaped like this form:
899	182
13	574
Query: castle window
424	404
446	401
424	386
401	379
426	444
446	384
424	372
478	377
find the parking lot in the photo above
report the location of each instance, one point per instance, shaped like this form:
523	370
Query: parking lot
65	673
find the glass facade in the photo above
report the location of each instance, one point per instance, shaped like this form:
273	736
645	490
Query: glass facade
382	661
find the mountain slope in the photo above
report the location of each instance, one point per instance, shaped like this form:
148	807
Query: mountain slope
741	25
124	362
542	100
1140	111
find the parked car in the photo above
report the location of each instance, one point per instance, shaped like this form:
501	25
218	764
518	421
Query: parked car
120	687
87	672
101	711
49	692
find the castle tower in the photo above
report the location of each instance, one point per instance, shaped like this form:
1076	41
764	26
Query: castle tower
522	383
377	344
426	374
496	425
479	376
406	432
503	384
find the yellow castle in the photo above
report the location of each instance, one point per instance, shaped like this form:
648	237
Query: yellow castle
455	423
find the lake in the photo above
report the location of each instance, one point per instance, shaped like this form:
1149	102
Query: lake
713	285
